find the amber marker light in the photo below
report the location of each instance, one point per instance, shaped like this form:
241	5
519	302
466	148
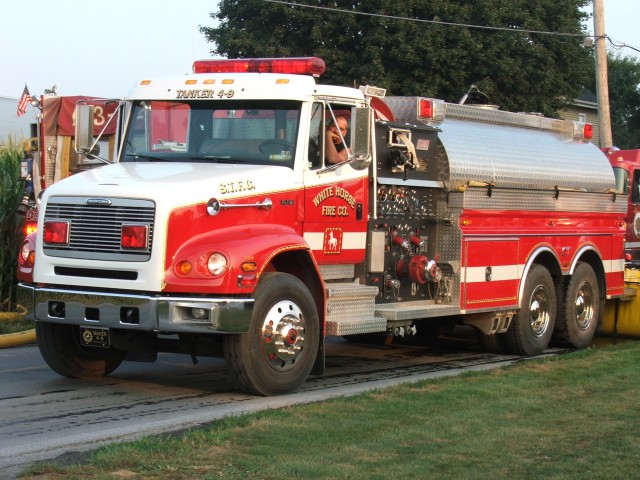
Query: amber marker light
30	227
183	268
248	267
248	276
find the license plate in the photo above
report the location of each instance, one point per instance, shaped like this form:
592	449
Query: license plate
94	337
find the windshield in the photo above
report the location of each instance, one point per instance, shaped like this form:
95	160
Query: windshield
255	132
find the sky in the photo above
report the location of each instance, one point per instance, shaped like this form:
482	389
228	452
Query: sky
102	48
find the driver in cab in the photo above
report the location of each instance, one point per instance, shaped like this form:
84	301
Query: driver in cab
335	149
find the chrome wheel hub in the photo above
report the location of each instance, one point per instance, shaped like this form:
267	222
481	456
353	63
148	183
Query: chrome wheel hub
283	334
539	311
584	306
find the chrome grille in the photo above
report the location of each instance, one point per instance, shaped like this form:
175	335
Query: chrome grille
96	224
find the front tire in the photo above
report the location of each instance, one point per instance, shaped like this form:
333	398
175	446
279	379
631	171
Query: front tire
277	354
578	319
61	349
531	329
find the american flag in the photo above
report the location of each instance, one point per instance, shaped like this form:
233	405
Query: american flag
24	100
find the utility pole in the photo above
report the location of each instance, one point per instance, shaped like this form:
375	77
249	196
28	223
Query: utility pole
602	77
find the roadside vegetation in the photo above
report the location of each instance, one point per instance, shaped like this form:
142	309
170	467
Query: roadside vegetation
569	417
11	188
13	323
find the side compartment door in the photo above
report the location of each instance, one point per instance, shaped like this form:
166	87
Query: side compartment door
491	273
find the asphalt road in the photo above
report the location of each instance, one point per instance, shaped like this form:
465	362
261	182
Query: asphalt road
44	416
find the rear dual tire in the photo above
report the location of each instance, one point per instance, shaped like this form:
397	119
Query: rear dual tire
531	329
540	321
578	318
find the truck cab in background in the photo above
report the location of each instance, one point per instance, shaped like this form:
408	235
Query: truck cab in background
626	168
51	154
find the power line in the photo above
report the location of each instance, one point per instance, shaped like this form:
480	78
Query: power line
619	45
436	22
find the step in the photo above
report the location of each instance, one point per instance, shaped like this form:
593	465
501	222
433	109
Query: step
399	311
351	309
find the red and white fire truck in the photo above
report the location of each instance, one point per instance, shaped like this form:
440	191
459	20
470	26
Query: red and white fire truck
221	229
52	155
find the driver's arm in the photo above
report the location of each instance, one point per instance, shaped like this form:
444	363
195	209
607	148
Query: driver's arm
331	152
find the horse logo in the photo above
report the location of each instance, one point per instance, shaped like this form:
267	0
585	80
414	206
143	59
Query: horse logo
333	241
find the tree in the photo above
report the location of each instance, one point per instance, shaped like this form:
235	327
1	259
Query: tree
624	99
518	70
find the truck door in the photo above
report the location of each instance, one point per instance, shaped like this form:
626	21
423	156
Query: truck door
633	216
335	197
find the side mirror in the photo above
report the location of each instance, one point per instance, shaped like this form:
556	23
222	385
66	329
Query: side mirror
84	128
361	120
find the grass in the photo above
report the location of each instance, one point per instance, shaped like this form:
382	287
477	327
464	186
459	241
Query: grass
13	323
570	417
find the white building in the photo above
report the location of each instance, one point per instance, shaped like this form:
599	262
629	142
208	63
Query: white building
14	129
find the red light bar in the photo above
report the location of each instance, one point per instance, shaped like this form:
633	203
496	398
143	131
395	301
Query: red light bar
296	65
56	233
134	236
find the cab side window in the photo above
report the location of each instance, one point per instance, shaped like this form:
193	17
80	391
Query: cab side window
635	187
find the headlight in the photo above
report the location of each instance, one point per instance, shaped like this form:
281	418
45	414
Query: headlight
217	264
27	254
24	252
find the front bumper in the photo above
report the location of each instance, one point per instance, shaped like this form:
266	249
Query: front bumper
135	312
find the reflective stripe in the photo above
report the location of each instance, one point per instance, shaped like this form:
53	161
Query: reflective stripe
350	240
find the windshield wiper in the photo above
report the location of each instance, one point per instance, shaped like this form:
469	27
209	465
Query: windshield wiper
221	158
149	157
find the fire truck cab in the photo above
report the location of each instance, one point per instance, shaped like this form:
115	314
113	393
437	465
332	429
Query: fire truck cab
52	155
626	168
222	229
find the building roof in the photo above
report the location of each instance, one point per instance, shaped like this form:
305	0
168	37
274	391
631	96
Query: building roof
587	99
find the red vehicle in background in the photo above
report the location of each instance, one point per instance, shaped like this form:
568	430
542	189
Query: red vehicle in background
50	156
626	167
